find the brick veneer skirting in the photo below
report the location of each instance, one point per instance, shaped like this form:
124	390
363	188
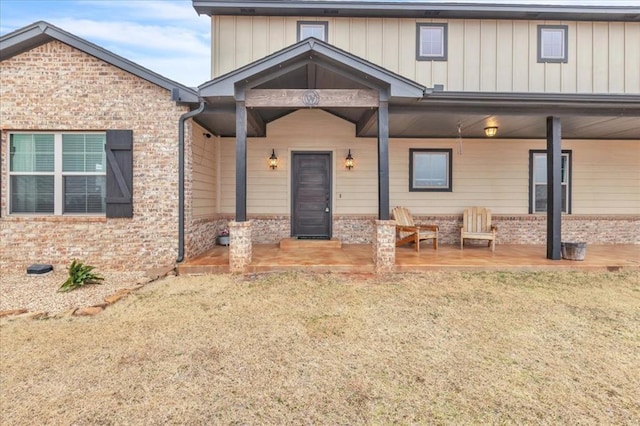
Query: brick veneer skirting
201	234
512	229
532	229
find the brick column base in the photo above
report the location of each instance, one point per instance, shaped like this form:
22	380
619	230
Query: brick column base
384	246
239	246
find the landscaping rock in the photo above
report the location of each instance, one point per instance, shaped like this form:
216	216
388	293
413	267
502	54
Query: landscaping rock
160	272
88	312
66	314
32	315
12	312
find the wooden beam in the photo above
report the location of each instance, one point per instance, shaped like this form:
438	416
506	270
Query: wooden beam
311	75
255	121
554	188
312	98
366	121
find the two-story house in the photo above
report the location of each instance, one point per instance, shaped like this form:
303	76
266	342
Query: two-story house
321	116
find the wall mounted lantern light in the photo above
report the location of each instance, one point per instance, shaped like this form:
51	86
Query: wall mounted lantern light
490	131
348	162
273	160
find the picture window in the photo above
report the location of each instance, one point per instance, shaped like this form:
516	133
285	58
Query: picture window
430	170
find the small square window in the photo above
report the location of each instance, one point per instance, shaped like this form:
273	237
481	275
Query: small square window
552	43
430	170
312	29
431	42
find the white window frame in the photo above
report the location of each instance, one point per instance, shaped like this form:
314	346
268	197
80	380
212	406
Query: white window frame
443	42
565	183
58	175
548	31
302	25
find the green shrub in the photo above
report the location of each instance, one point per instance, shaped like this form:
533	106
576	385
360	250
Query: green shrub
79	275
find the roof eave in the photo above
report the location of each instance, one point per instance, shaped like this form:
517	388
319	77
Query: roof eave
425	10
622	105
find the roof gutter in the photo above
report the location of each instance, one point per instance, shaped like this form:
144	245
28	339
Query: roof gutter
184	117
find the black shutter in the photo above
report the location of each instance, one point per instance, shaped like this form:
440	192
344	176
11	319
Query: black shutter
119	173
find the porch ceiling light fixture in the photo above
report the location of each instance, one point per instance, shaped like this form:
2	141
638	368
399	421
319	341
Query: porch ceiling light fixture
273	160
348	162
490	131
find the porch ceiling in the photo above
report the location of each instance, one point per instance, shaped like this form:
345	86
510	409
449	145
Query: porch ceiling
422	121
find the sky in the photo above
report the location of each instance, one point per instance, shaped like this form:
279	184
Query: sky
166	36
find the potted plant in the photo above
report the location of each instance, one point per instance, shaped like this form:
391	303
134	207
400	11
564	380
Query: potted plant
223	238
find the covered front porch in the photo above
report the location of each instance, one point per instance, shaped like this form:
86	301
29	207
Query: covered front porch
357	258
314	99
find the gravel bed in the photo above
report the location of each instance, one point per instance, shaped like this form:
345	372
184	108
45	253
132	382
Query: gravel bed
40	292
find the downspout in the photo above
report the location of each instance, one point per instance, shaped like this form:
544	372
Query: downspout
183	118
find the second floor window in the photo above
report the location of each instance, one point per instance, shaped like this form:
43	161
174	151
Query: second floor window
431	42
312	29
57	173
552	43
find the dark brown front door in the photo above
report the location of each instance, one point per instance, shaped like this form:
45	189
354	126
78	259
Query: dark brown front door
311	195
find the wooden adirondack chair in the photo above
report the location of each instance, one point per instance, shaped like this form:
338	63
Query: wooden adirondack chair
476	225
408	232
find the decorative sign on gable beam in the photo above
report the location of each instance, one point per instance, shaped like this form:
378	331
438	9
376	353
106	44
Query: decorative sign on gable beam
311	98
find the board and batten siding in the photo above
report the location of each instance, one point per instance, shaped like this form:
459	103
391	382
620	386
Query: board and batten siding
483	55
492	173
204	173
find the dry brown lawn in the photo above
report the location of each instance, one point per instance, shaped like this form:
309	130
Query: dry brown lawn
294	348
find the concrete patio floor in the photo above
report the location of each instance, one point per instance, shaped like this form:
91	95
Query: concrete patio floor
357	258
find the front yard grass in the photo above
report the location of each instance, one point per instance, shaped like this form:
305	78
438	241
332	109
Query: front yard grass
295	348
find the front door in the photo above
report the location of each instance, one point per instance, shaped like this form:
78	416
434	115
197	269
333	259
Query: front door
311	195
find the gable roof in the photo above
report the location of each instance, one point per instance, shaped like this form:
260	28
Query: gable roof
418	9
39	33
312	51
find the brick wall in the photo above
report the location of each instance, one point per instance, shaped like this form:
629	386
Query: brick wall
55	88
201	233
354	229
512	229
270	229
